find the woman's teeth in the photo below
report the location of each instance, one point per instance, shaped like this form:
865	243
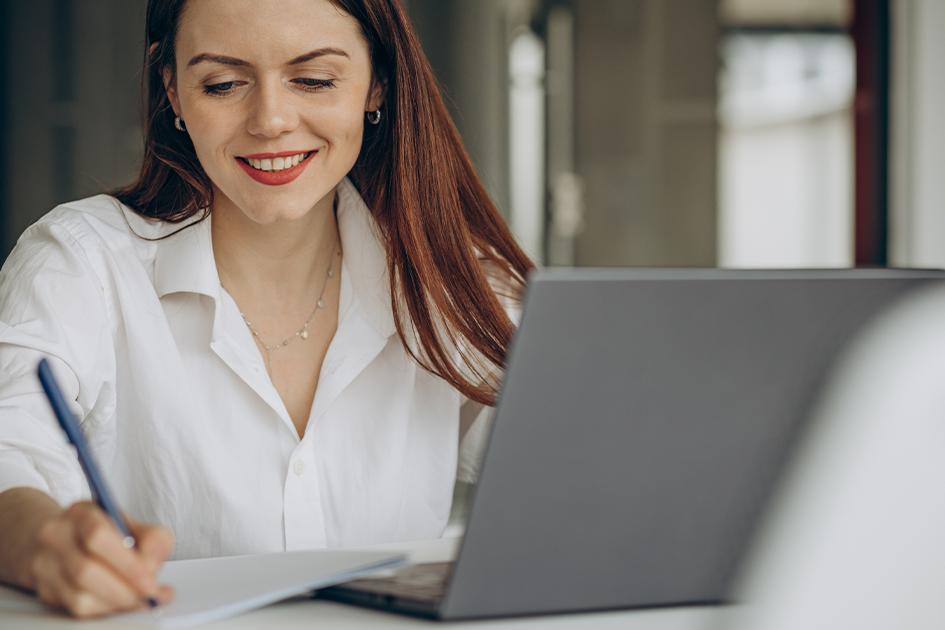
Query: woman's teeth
276	164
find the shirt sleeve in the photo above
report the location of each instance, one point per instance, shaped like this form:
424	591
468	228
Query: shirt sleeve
472	446
475	419
51	305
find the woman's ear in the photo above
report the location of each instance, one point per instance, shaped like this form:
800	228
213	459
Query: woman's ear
170	87
377	94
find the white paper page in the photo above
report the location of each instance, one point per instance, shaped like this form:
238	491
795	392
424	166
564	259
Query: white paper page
214	588
14	599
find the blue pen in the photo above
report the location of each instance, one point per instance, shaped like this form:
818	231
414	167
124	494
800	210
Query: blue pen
68	423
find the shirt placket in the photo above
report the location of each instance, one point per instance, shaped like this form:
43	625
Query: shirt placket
302	500
304	504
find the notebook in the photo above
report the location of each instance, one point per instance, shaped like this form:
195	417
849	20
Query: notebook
210	589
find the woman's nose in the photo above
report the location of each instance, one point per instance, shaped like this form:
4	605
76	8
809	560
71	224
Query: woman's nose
271	111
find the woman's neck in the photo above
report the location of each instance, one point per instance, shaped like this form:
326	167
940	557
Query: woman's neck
280	264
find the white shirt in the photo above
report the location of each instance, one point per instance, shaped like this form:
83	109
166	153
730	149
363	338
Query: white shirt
180	414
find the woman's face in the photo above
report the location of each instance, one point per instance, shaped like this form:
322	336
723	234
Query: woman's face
273	95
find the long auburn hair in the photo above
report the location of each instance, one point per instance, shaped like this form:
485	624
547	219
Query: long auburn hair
444	237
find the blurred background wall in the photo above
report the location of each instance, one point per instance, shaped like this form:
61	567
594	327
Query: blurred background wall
70	126
786	150
609	132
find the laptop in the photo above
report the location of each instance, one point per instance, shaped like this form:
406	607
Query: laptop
643	422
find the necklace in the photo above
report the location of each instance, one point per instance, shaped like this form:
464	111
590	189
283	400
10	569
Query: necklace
302	332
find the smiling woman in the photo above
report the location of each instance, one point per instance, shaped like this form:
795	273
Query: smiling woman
278	334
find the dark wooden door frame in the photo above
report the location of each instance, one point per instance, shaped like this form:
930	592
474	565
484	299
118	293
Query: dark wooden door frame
5	123
870	31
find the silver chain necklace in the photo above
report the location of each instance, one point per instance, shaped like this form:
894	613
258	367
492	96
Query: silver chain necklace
302	332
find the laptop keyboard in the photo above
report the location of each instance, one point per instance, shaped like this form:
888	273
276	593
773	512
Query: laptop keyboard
421	582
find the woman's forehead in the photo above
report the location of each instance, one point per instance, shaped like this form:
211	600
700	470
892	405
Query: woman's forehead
275	31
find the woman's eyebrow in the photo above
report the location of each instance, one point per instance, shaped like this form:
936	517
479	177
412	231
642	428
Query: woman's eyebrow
320	52
229	61
233	61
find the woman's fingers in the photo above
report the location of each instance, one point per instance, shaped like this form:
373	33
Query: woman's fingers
93	591
58	592
47	575
165	594
83	604
154	543
84	566
68	578
88	574
96	533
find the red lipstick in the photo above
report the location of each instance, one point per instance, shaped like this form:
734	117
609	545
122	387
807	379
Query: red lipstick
274	178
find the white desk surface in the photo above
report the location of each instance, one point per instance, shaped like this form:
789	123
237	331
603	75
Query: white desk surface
306	613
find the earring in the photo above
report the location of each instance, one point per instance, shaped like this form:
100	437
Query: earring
374	117
179	124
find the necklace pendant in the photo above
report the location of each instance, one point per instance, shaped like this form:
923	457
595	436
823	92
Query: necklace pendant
304	334
321	304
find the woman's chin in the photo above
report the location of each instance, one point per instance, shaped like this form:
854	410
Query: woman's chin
272	212
279	216
281	208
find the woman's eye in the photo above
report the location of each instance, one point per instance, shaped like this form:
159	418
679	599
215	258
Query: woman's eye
315	84
220	88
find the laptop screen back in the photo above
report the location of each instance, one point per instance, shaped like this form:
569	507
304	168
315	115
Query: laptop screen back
642	425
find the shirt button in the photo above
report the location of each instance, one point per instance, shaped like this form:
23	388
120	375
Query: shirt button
298	467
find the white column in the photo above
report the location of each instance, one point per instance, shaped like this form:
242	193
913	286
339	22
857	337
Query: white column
527	141
917	138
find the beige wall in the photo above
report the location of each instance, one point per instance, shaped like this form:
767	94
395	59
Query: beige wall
466	42
798	13
645	115
646	81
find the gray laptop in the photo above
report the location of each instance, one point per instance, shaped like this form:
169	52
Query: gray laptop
643	422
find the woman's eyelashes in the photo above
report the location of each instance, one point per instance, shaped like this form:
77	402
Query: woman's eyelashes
220	89
225	88
314	85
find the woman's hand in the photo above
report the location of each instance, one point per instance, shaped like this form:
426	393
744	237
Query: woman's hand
82	565
74	559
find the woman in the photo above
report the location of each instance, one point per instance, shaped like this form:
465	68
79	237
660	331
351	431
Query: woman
272	335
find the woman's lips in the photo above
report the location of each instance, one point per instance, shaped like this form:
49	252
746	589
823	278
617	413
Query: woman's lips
274	178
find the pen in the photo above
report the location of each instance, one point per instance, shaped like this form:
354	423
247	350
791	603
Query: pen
96	482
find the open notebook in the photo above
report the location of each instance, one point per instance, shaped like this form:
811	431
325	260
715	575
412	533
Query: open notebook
214	588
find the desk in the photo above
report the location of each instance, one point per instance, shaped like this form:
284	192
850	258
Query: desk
307	613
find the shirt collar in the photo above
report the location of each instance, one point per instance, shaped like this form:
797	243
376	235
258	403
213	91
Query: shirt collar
365	257
184	261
